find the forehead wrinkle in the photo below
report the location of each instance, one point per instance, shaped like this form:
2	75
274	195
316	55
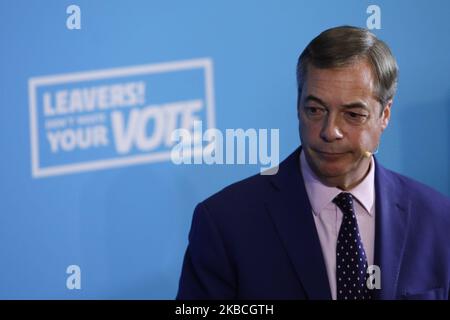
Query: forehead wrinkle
346	90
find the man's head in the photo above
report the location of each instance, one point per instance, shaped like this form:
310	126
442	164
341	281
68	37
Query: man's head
346	82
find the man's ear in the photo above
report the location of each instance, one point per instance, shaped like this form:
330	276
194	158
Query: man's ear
386	115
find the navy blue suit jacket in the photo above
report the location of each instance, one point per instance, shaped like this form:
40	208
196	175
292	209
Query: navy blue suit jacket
256	239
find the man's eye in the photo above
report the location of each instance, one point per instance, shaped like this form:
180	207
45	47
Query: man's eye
358	117
314	111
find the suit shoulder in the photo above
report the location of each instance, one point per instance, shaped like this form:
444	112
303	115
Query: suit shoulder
241	193
420	189
422	196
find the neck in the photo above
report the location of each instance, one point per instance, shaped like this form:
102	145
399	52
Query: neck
348	185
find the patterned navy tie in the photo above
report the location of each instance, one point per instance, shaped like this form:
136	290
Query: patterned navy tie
351	262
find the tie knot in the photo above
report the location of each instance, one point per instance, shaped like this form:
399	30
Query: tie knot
344	201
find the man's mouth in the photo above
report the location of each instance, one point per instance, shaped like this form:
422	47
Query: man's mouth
329	155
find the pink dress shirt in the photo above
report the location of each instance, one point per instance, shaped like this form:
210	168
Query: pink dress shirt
328	217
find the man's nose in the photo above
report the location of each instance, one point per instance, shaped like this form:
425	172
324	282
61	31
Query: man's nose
330	130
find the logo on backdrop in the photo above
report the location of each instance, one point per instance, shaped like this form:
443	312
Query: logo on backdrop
115	117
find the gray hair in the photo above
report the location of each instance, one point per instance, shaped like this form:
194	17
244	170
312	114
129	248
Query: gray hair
342	46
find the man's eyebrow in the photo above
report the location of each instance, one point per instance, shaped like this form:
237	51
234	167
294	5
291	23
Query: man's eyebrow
352	105
315	99
356	105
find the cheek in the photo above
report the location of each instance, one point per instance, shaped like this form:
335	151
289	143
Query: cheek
307	136
308	130
368	139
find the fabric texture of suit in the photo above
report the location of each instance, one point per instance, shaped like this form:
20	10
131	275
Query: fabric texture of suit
256	239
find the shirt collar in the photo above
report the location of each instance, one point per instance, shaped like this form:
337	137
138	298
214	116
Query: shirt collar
321	195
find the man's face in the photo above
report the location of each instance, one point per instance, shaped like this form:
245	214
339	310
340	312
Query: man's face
339	120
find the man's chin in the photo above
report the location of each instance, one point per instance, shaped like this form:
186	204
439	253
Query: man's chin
329	170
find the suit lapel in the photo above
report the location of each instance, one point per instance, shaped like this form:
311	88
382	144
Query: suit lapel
291	213
391	225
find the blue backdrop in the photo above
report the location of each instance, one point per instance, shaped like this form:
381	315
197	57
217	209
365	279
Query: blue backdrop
125	224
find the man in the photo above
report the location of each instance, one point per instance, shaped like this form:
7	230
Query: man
332	223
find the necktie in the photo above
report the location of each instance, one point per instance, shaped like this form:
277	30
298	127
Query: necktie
351	261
